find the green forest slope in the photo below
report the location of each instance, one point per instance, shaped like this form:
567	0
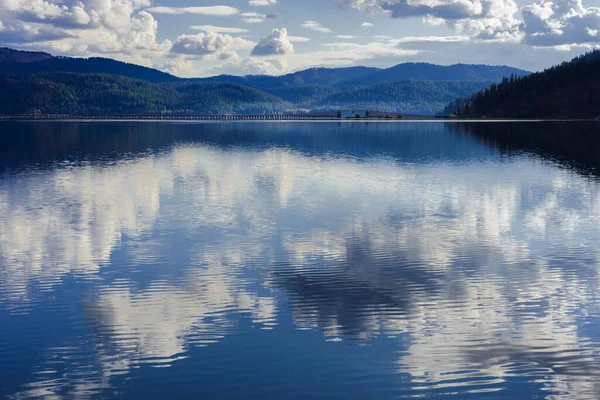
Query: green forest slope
568	90
69	93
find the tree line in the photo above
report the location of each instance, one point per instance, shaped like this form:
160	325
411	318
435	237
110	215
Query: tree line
568	90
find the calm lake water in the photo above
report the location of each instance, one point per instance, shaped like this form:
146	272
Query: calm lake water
299	260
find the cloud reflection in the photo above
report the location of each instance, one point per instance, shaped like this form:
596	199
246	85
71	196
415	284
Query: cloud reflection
473	262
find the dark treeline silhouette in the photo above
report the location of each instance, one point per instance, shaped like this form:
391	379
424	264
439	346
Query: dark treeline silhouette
568	90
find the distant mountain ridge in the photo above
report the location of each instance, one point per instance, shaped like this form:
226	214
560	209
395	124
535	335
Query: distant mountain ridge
311	89
342	78
433	72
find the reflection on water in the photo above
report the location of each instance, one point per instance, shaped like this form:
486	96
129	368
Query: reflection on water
288	260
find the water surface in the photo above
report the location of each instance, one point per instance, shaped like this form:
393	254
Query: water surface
299	260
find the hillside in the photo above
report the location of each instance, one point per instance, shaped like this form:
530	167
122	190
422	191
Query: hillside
69	93
22	62
432	72
310	77
344	78
304	96
410	97
405	88
568	90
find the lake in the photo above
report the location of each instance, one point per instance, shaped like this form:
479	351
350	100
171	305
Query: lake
330	260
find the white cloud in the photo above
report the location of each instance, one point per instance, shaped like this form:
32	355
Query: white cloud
216	11
252	66
277	43
121	28
437	39
261	3
492	20
366	25
298	39
350	53
180	66
315	26
218	29
209	43
561	22
252	17
347	37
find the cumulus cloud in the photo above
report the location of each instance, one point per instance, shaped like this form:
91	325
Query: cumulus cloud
252	66
207	43
120	27
349	53
315	26
561	22
481	19
277	43
449	9
180	66
261	3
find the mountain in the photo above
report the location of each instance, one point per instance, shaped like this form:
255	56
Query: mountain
568	90
343	78
304	96
70	93
24	62
416	88
406	97
432	72
309	77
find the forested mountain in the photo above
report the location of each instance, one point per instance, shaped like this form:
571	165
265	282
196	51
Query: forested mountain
568	90
24	62
69	93
409	97
73	85
304	96
310	77
343	78
432	72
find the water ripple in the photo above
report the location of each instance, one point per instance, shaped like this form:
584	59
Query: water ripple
303	267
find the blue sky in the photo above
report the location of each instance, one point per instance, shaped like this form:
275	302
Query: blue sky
209	37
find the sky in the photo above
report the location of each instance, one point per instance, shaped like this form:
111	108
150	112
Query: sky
194	38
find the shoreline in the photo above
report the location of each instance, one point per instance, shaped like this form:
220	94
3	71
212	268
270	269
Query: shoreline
271	118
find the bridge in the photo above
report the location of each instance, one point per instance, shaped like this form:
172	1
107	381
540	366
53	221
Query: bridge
182	117
333	115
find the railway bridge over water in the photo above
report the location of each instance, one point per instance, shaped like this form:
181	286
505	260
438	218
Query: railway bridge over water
202	117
